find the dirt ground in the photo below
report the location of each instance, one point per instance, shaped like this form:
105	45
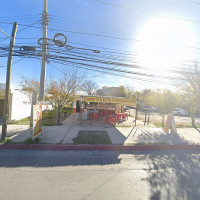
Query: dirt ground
156	119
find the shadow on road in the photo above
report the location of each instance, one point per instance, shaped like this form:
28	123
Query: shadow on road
29	158
173	175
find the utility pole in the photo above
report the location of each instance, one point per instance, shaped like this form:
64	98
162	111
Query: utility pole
9	66
44	51
34	102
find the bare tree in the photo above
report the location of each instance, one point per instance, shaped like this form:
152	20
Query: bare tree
62	92
130	93
100	92
58	93
28	86
190	85
90	87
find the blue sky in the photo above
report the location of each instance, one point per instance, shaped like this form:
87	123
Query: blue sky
127	20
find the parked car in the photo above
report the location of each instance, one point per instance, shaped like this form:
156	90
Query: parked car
179	111
148	108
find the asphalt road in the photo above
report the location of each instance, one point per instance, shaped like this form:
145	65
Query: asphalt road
99	175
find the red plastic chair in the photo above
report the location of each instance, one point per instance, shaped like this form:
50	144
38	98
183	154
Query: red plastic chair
109	119
95	116
125	116
105	119
113	119
90	116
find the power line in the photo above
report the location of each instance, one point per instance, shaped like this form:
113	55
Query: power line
28	26
194	2
144	11
80	77
91	26
13	62
66	59
60	58
22	29
94	34
20	16
82	58
81	32
119	75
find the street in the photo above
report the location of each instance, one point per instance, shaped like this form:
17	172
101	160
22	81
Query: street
99	175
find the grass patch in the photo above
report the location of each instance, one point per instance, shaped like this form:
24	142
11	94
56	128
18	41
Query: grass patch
24	121
7	140
30	141
92	137
48	117
157	124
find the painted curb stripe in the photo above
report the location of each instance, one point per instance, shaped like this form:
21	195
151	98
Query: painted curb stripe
99	147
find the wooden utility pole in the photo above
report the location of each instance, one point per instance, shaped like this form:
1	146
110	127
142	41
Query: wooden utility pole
7	91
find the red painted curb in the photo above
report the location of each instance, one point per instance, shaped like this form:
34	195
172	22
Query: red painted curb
101	147
75	147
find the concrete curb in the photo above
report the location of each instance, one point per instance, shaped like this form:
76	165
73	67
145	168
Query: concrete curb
156	147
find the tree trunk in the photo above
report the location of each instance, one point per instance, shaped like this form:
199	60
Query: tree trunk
58	116
193	121
163	121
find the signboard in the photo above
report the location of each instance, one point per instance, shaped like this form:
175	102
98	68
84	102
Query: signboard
170	124
37	120
110	100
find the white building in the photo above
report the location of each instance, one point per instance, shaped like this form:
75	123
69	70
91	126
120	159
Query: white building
20	106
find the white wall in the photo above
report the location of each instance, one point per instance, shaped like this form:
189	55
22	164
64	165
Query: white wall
21	106
20	109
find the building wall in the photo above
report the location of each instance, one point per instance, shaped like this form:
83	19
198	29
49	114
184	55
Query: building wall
21	107
111	91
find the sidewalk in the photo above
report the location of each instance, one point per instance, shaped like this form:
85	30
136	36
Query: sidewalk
124	134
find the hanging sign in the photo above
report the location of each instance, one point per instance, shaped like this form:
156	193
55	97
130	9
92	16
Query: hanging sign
109	100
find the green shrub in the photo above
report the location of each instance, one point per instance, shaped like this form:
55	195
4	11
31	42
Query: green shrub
67	110
49	114
31	141
6	140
